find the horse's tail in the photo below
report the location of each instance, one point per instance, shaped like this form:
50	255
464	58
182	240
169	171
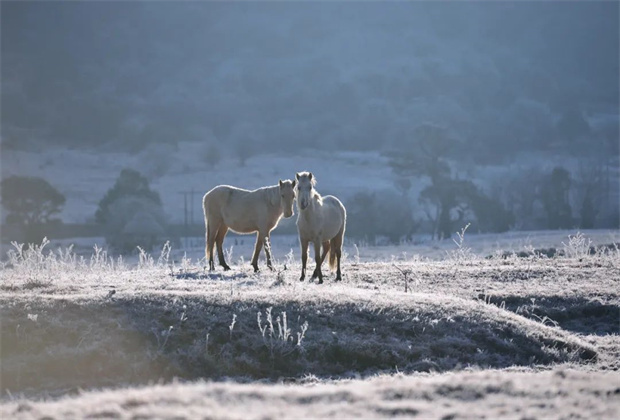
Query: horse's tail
204	210
335	249
332	255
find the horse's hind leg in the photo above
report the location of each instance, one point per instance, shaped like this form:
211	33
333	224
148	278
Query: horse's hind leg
337	244
338	255
219	241
326	246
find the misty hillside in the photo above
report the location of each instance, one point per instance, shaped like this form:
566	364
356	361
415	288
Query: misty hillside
502	78
421	116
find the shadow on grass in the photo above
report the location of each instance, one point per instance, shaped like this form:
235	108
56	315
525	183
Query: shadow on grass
555	252
210	275
579	315
59	346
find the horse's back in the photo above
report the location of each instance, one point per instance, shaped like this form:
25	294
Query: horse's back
334	206
331	221
238	208
224	190
222	194
334	216
218	198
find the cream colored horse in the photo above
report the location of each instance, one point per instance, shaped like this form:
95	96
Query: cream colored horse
244	211
321	220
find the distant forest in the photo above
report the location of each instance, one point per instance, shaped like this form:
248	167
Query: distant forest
436	87
501	78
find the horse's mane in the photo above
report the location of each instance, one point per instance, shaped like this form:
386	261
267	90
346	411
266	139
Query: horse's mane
315	194
317	197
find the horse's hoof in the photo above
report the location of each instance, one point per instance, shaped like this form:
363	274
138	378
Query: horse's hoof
256	270
226	267
320	281
302	278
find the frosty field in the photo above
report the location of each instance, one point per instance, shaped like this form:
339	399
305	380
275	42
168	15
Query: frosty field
470	333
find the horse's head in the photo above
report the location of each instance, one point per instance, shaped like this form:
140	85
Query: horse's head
287	197
305	188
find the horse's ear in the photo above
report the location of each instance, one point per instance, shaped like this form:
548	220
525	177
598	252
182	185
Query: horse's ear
281	183
293	185
297	176
310	176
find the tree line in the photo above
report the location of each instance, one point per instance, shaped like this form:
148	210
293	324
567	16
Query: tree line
131	213
530	200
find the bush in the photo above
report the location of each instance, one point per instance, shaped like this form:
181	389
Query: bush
130	183
131	213
383	213
31	203
555	199
491	215
133	222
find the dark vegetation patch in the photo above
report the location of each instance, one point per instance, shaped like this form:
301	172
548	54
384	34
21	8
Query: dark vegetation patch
552	252
577	314
63	345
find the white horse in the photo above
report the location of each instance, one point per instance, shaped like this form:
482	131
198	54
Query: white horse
244	211
321	220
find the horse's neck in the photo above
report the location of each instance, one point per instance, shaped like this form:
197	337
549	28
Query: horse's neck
272	195
315	203
317	200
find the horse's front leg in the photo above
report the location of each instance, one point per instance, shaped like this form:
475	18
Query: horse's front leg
326	246
257	248
317	259
268	252
304	258
210	239
219	243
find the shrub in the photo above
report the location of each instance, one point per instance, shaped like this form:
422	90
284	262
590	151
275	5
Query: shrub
491	215
382	213
555	199
130	183
133	222
31	203
131	213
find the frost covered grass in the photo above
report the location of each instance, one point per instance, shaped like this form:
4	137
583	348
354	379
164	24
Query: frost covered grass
70	322
560	393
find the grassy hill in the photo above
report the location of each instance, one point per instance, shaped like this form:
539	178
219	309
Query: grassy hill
465	332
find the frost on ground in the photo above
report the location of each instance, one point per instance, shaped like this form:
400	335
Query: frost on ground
462	335
561	393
